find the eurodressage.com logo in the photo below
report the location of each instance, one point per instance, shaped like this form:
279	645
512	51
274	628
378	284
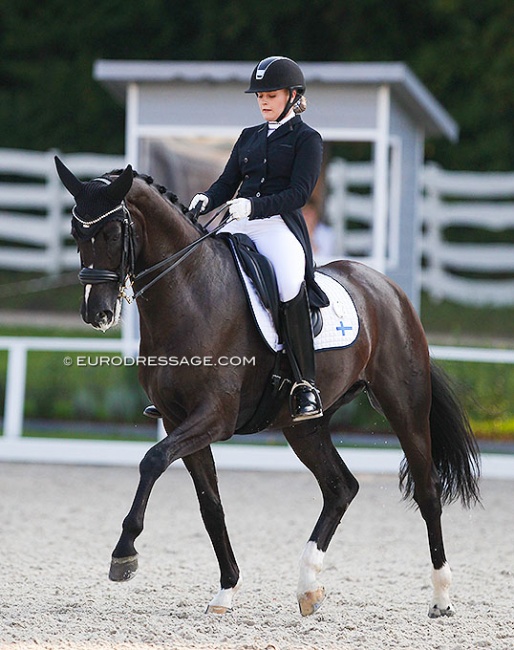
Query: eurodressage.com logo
90	361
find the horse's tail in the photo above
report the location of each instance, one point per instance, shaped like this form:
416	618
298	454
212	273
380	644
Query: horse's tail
455	451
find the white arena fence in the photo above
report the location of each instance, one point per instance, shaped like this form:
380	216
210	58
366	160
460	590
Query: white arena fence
35	221
14	447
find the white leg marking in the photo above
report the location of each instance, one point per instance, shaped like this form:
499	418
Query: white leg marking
441	604
222	601
309	592
311	563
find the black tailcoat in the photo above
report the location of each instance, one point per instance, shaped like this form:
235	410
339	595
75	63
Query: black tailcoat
278	174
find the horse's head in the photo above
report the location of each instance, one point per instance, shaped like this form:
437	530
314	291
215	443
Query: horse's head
102	228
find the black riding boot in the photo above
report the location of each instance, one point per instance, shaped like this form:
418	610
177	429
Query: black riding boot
304	400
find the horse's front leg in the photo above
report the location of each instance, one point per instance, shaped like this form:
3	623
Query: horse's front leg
203	472
155	462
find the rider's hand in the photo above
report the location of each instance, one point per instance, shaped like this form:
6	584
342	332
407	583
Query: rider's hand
239	208
199	202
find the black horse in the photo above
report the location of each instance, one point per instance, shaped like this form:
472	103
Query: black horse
126	227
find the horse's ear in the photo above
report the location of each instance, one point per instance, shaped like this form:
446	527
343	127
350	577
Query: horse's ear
119	188
69	180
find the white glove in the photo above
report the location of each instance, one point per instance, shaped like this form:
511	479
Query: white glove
199	201
239	208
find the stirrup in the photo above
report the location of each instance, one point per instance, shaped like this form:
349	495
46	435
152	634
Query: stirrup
152	412
305	401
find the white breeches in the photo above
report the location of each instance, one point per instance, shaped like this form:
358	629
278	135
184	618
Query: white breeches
273	239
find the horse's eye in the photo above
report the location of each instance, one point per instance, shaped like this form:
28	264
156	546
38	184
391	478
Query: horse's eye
112	235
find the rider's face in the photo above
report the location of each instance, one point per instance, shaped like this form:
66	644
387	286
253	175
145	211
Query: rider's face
272	103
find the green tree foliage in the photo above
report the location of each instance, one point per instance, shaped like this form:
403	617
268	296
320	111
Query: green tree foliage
462	51
468	63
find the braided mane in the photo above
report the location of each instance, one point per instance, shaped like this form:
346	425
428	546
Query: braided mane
168	194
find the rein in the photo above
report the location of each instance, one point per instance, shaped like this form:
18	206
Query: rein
175	259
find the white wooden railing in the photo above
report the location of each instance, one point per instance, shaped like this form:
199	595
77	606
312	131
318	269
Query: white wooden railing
35	208
35	213
483	202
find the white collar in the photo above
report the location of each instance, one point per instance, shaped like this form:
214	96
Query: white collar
274	125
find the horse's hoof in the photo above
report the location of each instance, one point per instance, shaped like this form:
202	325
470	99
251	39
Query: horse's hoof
311	601
219	610
222	602
437	612
123	568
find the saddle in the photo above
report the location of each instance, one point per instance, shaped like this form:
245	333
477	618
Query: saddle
262	274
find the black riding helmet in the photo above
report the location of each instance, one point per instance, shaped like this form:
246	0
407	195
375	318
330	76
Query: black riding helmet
275	73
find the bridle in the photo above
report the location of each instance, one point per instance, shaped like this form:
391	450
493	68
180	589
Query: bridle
89	275
126	270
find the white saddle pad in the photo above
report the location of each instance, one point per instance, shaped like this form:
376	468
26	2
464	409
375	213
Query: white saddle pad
340	320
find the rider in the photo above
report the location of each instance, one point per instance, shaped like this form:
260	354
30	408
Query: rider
272	171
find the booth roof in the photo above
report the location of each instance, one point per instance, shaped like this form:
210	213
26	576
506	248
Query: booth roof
116	75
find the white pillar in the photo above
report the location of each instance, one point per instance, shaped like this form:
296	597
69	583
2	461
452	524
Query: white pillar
381	180
15	391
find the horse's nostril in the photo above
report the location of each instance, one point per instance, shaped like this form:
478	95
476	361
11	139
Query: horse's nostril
103	317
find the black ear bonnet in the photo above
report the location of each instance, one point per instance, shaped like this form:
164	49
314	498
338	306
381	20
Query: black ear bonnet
97	201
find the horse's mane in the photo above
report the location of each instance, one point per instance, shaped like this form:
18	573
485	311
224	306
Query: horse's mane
168	194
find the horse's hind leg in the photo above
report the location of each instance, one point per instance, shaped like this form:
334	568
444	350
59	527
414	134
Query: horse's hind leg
314	447
406	405
203	472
